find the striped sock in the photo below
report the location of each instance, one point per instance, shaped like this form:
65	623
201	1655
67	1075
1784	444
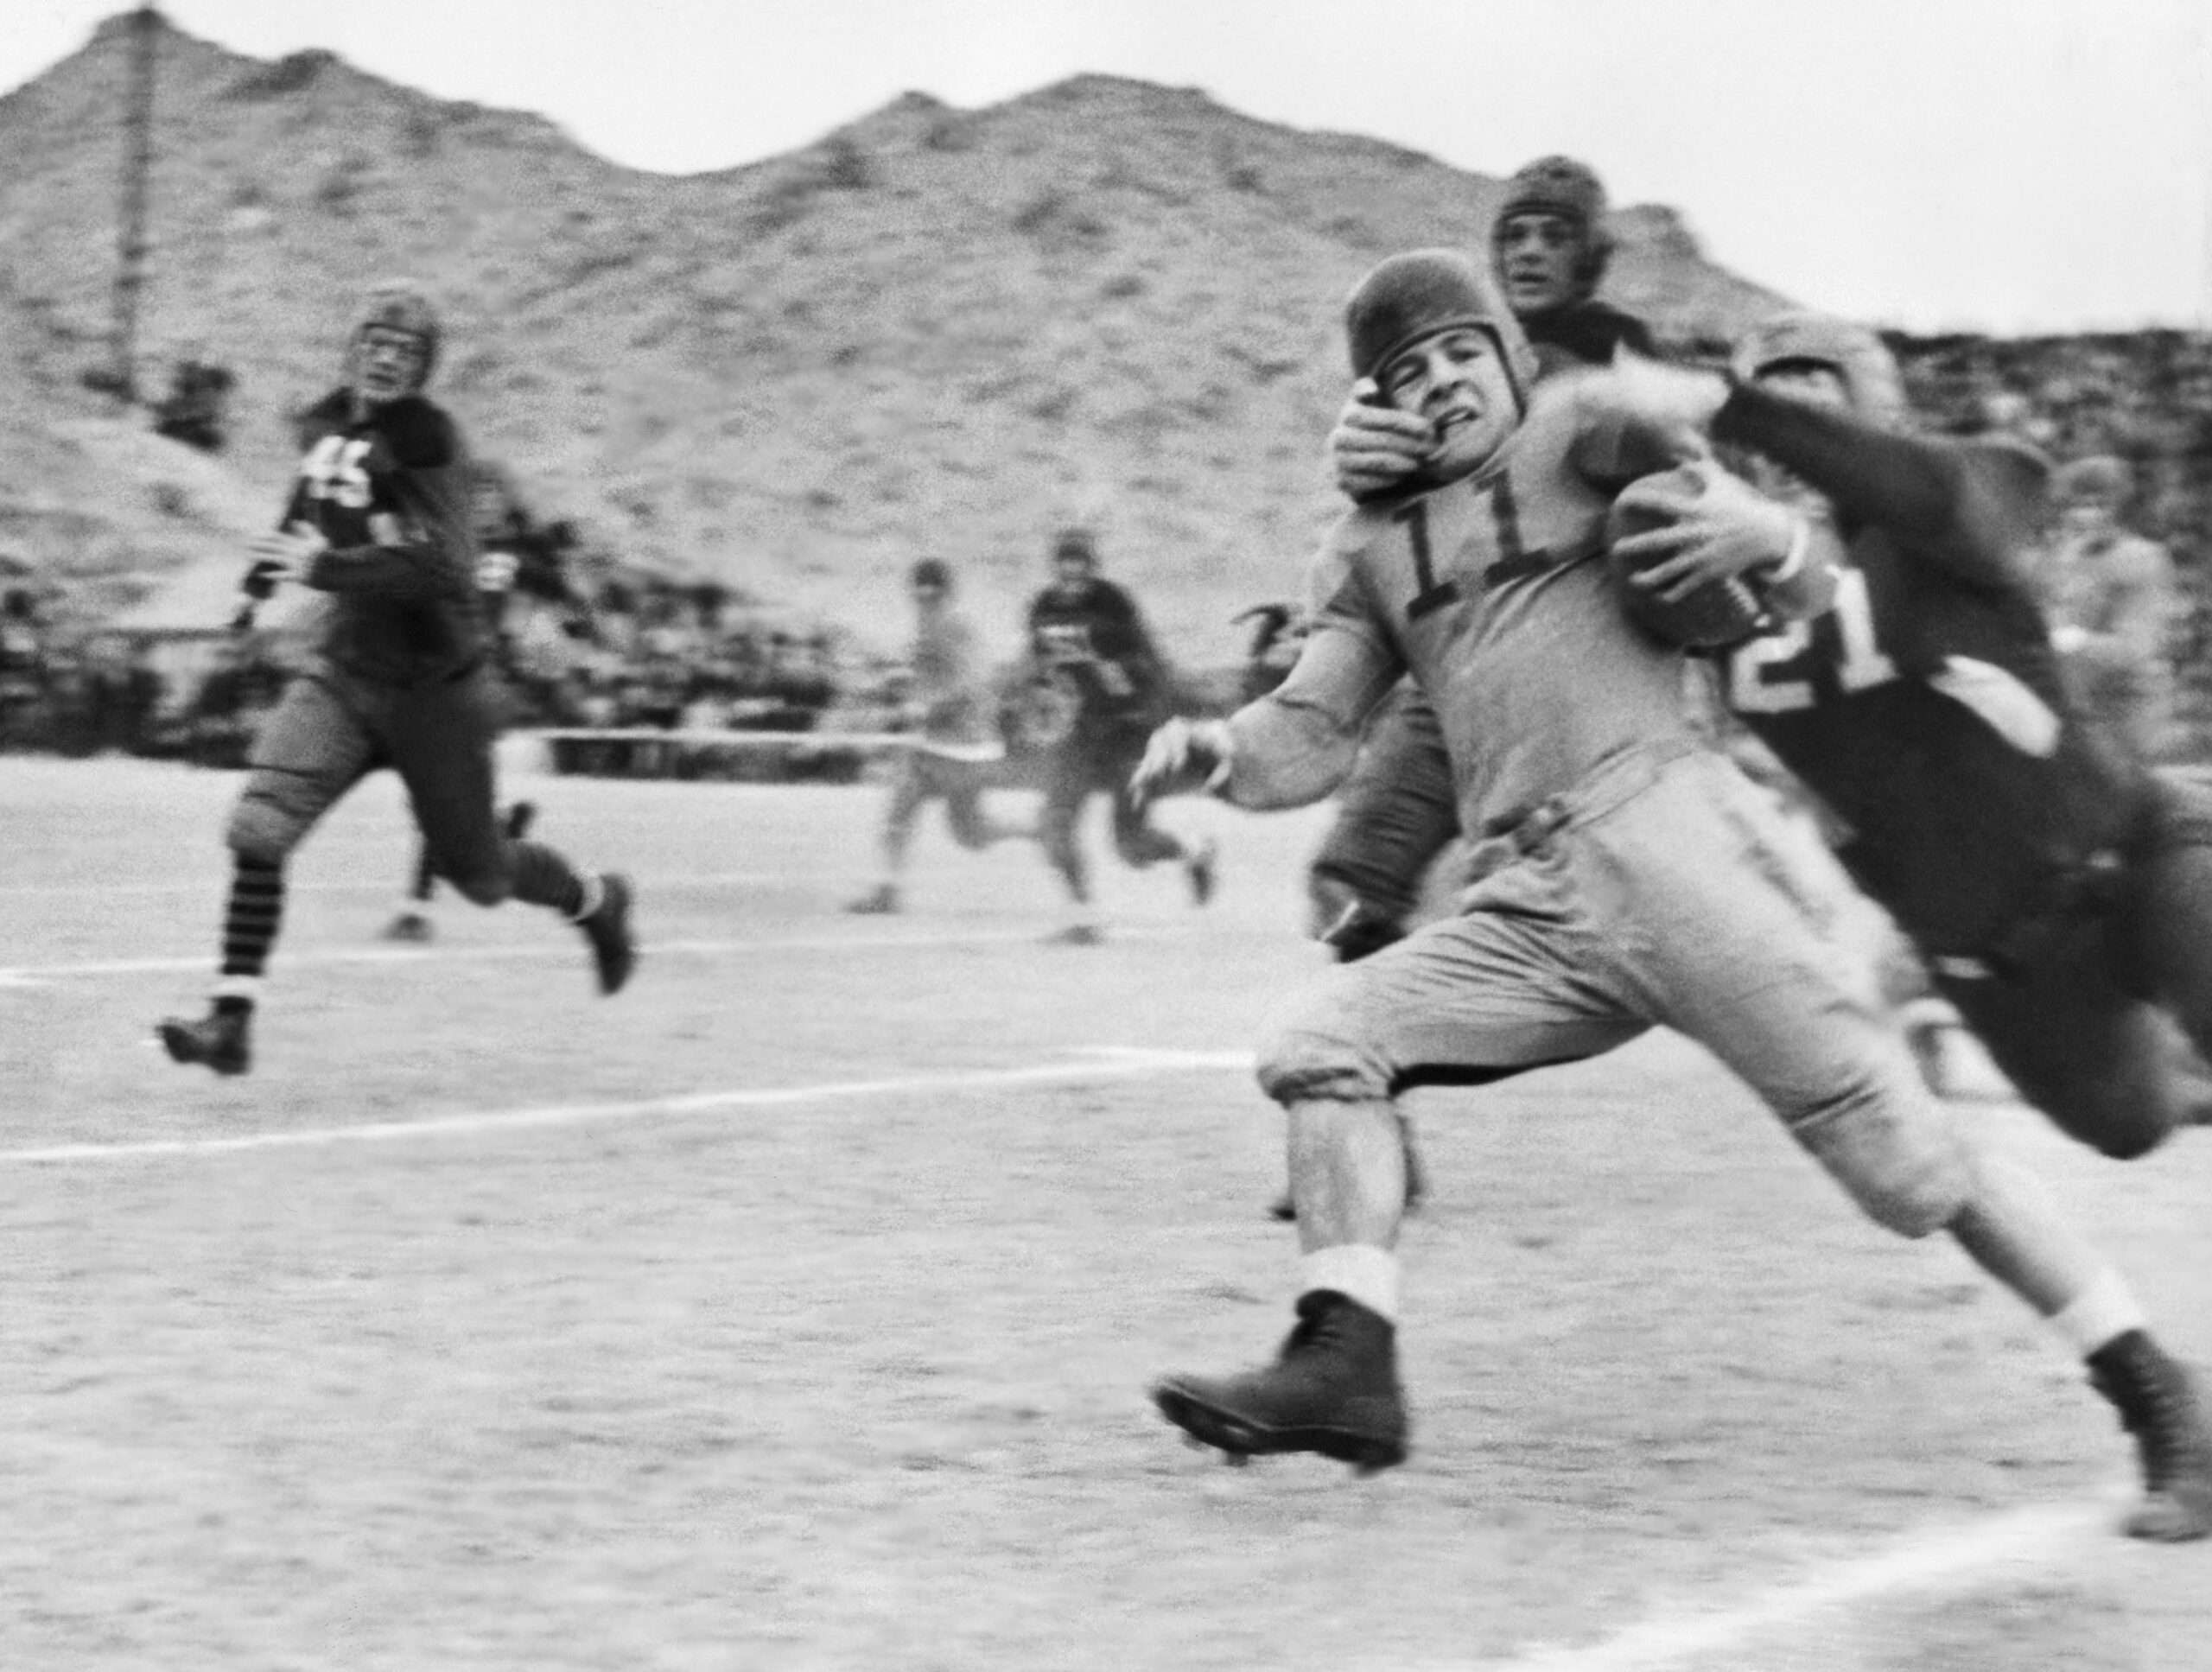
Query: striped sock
252	917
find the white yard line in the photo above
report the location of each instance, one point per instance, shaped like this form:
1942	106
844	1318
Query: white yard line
560	946
1097	1063
1932	1560
395	886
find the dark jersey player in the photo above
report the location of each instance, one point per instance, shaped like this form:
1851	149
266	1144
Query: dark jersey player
1089	645
379	520
2060	888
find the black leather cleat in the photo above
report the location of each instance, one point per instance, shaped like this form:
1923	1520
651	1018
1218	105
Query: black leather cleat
881	901
1333	1388
2158	1404
614	950
218	1040
411	928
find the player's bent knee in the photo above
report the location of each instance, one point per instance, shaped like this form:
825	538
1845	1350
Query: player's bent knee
1301	1062
1899	1157
263	831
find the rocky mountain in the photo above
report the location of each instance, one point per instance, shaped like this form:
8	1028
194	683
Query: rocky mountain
937	331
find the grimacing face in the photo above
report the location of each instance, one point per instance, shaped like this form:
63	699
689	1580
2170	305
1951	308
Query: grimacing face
1455	379
1539	257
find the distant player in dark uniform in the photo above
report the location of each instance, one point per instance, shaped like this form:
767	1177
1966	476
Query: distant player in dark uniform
1549	248
379	520
1091	650
497	566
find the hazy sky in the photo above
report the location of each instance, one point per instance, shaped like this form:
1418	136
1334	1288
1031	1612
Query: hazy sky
2014	164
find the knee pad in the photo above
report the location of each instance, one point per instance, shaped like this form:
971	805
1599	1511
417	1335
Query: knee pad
1309	1056
1897	1154
264	826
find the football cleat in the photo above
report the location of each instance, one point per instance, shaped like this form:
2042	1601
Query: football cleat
877	902
1078	934
218	1040
412	927
614	950
2158	1404
1333	1388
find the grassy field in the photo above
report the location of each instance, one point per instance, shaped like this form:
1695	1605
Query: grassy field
795	1309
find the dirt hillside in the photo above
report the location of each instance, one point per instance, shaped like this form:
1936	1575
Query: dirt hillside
935	331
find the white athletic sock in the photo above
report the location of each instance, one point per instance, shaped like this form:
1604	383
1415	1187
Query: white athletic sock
1358	1270
238	987
2095	1316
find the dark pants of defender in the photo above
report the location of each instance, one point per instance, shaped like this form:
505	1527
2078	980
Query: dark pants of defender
1098	759
1396	811
2093	1027
330	731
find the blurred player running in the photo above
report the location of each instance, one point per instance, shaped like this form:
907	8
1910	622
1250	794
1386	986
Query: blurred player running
379	520
1628	876
1088	642
957	757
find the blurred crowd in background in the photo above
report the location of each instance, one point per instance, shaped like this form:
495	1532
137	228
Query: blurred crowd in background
588	644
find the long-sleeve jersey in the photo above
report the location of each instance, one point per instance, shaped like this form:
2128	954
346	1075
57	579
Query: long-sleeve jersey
1492	590
391	493
1926	705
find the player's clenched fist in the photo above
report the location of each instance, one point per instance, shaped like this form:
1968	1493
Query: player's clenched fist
1374	449
1183	754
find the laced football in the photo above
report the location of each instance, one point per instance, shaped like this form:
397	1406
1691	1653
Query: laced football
1716	613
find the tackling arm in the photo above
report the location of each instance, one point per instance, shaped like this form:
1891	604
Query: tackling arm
1969	510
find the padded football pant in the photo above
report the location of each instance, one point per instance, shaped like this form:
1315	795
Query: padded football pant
1395	813
1098	761
922	777
2095	1026
329	730
1661	891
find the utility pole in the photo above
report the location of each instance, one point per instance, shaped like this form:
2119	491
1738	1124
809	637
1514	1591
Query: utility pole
138	163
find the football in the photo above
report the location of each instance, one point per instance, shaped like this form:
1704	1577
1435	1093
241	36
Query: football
1717	614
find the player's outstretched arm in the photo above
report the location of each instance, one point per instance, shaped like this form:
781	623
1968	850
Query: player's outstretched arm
1374	449
1182	755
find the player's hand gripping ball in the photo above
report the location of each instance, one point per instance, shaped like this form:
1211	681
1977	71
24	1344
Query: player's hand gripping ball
1660	527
